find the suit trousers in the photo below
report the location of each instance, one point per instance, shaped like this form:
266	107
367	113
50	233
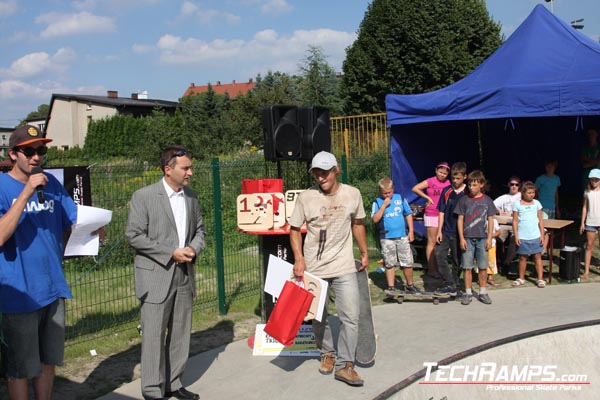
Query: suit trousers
166	329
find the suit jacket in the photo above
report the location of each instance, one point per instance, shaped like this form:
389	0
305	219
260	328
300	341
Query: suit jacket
152	232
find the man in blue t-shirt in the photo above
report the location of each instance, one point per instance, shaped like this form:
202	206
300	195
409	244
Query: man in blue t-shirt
32	282
547	186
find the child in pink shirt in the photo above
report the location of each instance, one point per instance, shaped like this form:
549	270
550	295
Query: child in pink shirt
431	189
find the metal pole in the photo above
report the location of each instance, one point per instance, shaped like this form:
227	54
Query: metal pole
218	236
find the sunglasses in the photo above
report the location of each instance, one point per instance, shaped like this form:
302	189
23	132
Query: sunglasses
30	151
179	153
513	184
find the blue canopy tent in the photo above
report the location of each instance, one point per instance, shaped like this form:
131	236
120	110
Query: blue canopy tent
531	100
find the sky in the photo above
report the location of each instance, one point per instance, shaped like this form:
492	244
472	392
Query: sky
88	47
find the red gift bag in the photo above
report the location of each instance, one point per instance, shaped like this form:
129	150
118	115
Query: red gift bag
288	313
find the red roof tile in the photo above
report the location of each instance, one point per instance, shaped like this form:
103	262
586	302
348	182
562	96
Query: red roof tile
234	89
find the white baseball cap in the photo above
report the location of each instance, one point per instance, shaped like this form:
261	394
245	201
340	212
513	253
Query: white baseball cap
323	160
595	173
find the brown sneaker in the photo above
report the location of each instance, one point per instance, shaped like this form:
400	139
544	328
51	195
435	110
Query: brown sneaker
327	362
349	375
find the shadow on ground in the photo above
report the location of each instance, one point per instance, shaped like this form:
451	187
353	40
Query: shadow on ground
123	367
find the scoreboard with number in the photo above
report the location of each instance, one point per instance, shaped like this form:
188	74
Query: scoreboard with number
265	212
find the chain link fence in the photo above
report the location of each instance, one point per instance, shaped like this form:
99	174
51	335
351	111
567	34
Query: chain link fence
230	267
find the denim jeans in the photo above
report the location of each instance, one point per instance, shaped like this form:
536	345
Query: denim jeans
475	251
347	299
441	254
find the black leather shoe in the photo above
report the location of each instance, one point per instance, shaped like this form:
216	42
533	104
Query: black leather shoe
183	393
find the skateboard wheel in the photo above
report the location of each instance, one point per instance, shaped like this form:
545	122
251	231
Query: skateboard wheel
436	301
399	300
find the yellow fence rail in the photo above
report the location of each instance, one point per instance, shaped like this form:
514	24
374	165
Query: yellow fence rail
359	135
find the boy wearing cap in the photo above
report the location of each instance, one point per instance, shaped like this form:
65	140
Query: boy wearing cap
32	283
333	213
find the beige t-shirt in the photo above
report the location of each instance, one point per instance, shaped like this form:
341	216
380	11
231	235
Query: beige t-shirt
328	250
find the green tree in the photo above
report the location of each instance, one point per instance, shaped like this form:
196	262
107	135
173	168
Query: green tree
319	85
42	112
245	116
116	136
414	46
162	130
207	124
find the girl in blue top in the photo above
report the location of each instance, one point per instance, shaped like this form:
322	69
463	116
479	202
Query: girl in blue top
528	228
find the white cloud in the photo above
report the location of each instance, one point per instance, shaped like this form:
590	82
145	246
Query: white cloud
7	8
16	89
276	7
38	63
71	24
190	9
64	55
30	65
19	98
267	50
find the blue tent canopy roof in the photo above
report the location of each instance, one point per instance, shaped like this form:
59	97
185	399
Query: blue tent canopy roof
530	101
545	68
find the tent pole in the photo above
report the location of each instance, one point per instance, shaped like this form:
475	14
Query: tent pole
480	144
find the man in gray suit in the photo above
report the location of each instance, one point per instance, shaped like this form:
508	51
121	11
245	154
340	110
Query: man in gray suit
165	229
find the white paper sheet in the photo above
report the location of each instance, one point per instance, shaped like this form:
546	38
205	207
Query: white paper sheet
279	271
82	242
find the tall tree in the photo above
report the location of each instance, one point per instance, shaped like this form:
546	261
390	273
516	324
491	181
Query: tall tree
273	88
319	85
414	46
42	112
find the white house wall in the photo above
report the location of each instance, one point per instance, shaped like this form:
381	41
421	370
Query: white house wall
69	121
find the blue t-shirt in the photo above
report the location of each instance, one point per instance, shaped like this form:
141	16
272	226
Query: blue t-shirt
547	186
31	275
392	224
528	228
446	205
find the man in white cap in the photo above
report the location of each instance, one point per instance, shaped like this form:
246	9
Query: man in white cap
32	283
333	213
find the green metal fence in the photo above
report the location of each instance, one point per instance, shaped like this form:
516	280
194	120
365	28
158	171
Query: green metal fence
229	268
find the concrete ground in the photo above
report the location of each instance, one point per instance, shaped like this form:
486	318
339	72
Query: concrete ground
414	333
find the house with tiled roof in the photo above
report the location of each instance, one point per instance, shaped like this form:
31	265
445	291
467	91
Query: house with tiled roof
234	88
70	114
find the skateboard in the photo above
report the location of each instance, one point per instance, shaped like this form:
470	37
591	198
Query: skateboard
434	297
366	347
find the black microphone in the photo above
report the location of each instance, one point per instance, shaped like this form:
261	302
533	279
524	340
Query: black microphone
40	188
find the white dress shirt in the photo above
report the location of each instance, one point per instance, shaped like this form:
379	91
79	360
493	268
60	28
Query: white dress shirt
177	200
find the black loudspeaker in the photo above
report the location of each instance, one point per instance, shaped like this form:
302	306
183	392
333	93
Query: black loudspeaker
283	140
314	127
295	133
